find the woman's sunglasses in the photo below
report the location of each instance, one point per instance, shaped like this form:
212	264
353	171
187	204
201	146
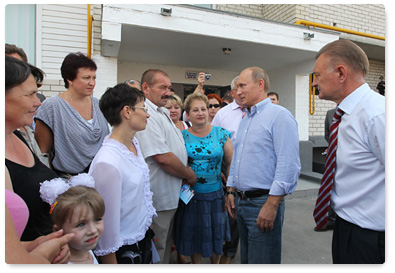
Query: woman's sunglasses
214	105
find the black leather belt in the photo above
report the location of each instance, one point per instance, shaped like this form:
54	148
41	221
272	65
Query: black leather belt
252	194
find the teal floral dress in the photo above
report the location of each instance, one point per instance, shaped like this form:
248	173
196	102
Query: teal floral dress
201	226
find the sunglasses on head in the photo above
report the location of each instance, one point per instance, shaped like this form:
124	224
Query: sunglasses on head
214	105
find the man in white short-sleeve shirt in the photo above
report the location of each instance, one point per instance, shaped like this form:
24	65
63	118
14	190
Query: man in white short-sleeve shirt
164	150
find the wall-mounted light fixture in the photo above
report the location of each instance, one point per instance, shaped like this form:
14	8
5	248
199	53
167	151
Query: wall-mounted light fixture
308	36
227	50
165	11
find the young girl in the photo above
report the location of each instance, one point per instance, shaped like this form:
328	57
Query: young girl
76	207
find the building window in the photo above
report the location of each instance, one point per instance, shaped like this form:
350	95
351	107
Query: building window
20	28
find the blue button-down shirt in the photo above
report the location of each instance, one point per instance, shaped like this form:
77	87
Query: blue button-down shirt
266	151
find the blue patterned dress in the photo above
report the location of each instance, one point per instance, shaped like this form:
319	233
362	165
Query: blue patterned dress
201	226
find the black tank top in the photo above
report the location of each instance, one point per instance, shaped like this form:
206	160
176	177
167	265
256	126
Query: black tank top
26	183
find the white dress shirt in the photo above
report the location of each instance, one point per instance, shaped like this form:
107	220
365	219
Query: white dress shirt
161	136
229	117
359	189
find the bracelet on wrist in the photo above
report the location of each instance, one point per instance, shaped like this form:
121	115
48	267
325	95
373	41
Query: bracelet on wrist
230	192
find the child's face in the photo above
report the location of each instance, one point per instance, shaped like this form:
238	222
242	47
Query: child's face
86	228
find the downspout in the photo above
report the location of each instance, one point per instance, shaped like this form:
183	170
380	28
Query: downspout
311	96
89	24
308	23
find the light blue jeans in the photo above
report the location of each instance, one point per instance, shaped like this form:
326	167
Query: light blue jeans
257	247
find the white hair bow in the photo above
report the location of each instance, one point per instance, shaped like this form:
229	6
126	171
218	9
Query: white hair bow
50	190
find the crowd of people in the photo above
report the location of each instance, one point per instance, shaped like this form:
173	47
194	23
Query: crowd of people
99	180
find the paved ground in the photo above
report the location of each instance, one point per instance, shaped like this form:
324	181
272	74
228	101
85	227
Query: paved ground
301	244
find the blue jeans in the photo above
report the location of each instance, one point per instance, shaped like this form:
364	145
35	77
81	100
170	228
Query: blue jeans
257	247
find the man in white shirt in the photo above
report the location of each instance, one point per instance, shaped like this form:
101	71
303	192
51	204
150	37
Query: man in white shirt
164	151
358	194
229	117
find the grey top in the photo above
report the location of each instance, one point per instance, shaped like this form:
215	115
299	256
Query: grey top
76	140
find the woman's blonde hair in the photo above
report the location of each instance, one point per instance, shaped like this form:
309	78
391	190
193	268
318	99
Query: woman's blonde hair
176	99
75	197
191	98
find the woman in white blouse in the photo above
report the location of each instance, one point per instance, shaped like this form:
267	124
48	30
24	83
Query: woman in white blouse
122	179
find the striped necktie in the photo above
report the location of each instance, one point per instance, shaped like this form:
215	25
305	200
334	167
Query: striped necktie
324	194
242	110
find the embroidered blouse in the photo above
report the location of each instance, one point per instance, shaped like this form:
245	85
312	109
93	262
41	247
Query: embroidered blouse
122	179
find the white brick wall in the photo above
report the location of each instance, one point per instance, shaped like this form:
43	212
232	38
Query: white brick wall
376	70
302	105
51	88
96	27
246	9
317	120
365	18
106	74
282	12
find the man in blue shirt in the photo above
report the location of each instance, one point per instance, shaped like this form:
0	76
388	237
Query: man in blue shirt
265	167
